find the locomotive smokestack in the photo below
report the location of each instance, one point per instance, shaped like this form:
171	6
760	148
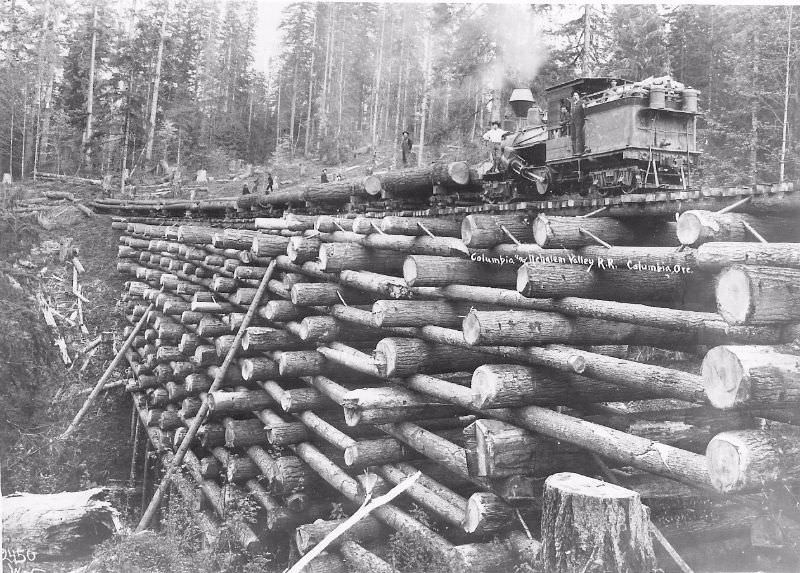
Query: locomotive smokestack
521	101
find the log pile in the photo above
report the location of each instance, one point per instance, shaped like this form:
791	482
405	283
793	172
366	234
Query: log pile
488	354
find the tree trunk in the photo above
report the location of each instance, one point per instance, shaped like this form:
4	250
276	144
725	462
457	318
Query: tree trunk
57	525
426	95
307	143
151	125
586	521
376	86
87	132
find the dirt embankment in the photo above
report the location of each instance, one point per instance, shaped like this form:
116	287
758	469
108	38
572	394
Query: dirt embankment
39	392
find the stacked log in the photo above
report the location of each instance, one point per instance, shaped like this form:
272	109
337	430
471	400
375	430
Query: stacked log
390	343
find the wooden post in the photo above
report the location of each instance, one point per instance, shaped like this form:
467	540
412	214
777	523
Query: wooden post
106	375
589	524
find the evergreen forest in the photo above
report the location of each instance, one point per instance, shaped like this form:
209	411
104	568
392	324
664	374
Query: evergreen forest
97	87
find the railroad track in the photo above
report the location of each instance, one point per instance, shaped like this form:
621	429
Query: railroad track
763	198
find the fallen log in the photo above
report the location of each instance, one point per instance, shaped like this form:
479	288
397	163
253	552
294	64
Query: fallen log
57	525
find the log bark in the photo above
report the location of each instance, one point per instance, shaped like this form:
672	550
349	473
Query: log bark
265	338
329	224
503	450
411	226
485	231
269	245
221	402
697	227
56	525
336	257
423	270
751	376
419	313
406	356
244	433
746	460
502	385
595	278
303	249
417	180
326	294
570	232
530	327
586	521
716	256
366	530
258	368
362	561
758	295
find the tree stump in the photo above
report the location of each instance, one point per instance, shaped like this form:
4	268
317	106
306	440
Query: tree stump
593	526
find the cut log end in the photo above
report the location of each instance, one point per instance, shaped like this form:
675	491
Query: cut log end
734	298
410	271
471	328
540	230
727	460
372	185
724	378
689	229
458	172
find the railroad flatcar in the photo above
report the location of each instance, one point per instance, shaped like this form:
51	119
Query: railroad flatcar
598	136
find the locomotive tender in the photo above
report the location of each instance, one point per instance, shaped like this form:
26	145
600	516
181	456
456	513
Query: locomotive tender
599	136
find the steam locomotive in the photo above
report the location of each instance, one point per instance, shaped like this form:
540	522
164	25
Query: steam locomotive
599	136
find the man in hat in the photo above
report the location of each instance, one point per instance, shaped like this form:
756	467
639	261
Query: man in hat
405	148
494	137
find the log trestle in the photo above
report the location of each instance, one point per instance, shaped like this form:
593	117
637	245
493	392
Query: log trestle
459	348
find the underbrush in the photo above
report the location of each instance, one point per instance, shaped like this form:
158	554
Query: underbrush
40	395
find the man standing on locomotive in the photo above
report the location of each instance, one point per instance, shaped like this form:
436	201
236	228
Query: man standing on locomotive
494	137
578	124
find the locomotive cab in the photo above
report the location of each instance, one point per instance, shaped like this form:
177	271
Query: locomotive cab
625	136
598	136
